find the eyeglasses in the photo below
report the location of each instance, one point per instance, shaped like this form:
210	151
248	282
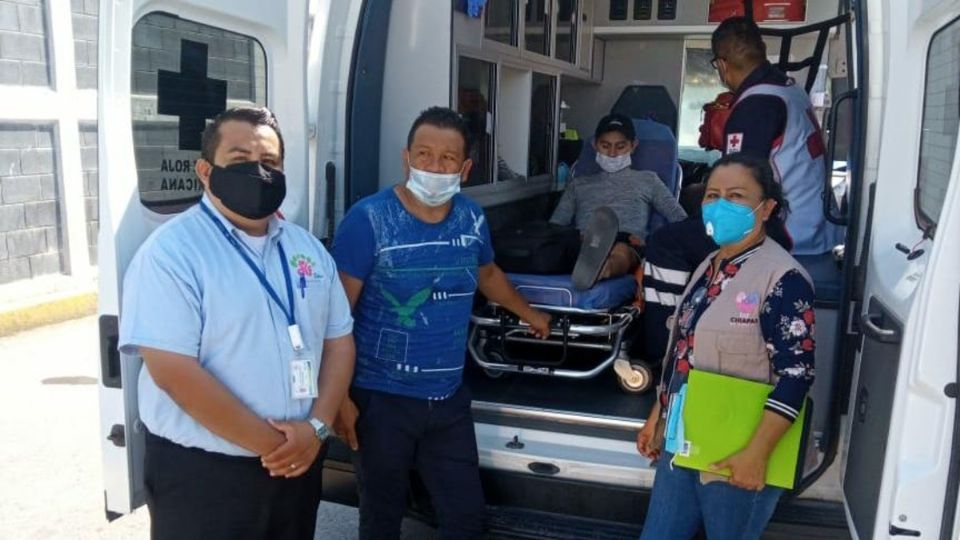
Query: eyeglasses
713	62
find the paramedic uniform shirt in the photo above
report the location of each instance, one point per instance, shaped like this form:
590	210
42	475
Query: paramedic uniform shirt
188	291
418	285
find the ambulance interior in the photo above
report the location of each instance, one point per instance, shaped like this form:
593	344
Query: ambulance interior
532	78
533	104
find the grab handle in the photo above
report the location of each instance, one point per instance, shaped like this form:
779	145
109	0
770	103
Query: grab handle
831	150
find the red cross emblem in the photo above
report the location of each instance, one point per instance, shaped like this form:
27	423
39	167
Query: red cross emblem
734	142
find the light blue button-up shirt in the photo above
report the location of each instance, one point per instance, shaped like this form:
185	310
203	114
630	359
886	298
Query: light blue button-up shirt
188	291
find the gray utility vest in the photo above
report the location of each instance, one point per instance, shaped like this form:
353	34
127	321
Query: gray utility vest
798	162
728	336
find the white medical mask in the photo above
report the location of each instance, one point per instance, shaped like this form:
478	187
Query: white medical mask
613	164
433	189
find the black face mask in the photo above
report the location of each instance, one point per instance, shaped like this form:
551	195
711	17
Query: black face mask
251	189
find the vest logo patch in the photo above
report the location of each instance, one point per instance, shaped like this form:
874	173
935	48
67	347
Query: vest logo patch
734	142
747	304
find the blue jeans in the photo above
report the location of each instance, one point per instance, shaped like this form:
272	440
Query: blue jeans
680	504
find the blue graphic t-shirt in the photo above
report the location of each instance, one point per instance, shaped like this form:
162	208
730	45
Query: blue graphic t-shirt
411	320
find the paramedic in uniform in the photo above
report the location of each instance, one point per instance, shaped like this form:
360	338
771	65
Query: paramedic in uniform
411	258
771	119
245	334
747	313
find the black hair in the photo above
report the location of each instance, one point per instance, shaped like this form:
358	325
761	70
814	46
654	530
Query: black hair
762	174
255	116
738	41
444	118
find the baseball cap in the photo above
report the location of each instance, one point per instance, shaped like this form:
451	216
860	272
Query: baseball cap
616	122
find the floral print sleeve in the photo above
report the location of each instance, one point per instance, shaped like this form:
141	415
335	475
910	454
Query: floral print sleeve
787	322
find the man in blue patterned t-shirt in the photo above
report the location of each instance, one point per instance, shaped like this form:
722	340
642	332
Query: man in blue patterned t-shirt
411	258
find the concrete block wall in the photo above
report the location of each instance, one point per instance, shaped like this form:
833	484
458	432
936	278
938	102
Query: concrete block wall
85	41
48	199
30	229
24	49
88	159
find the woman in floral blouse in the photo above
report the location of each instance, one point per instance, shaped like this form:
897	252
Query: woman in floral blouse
747	312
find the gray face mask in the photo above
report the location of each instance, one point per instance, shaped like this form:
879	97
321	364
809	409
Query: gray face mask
433	189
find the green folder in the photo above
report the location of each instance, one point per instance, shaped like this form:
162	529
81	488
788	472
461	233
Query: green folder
720	415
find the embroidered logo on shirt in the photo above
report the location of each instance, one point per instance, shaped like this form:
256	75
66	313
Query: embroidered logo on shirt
303	265
734	142
747	304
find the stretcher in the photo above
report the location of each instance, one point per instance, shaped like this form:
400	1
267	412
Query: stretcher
590	331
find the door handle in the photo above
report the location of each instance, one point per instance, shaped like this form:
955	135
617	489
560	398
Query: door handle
111	375
897	531
544	469
873	328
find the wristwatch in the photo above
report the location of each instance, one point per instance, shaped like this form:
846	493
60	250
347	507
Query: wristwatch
320	429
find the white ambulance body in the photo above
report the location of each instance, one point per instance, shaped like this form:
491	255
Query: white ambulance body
558	458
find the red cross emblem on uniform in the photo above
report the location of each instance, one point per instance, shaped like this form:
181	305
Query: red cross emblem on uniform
734	142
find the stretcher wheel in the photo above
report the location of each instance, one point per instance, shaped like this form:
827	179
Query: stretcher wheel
494	373
639	381
496	358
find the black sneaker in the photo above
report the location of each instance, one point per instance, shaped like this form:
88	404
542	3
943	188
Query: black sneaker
598	240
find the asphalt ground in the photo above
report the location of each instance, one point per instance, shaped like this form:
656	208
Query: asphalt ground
51	485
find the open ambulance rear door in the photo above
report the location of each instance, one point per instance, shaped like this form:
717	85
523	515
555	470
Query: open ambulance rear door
166	67
902	468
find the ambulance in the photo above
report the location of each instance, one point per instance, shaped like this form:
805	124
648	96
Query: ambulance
532	77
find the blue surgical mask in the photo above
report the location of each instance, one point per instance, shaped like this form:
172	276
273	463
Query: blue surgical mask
433	189
613	164
726	222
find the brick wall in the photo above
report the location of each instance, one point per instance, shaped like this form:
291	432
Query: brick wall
88	158
24	51
85	41
29	207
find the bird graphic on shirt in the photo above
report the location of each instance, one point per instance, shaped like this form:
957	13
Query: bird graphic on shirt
477	222
406	310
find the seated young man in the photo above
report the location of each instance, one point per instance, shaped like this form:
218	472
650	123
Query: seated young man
629	193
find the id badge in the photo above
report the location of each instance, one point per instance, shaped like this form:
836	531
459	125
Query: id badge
303	375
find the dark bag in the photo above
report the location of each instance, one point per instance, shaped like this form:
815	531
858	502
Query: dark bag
537	247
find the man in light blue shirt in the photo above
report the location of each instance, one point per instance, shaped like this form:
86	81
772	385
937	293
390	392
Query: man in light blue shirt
245	333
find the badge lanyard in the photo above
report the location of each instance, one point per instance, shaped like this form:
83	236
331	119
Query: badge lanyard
296	339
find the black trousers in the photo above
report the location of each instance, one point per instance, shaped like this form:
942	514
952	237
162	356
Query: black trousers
437	438
192	493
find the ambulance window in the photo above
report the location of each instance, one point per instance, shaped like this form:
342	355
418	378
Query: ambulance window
501	21
542	107
941	117
475	98
183	74
567	31
536	33
701	84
